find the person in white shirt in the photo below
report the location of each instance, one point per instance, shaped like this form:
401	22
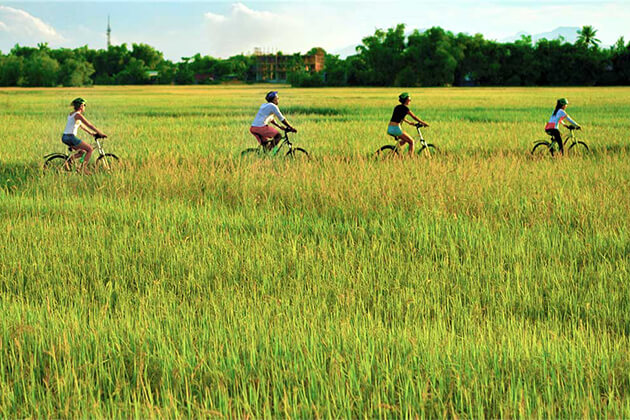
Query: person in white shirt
260	127
558	117
75	121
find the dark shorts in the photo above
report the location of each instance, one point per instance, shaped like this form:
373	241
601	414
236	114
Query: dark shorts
70	140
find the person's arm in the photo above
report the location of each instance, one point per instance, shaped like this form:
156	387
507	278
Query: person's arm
289	126
283	120
84	128
84	120
571	121
411	114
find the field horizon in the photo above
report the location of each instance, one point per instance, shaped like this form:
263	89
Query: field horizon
477	282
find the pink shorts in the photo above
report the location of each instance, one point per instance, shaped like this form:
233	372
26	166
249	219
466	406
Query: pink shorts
263	133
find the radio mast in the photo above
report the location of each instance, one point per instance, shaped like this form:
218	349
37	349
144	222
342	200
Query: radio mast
109	34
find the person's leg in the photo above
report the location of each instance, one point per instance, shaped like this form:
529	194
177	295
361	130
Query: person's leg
84	150
558	139
275	140
405	138
264	133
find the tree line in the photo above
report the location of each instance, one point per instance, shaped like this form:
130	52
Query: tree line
391	57
436	57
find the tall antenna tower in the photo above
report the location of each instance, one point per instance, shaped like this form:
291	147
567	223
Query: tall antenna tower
109	34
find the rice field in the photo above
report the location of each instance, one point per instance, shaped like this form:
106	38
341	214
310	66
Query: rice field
477	282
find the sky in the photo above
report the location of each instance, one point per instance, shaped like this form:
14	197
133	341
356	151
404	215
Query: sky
225	28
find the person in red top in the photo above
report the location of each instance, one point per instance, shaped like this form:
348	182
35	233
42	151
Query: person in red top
400	113
557	118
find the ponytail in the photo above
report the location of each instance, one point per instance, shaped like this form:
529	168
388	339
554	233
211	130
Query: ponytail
558	106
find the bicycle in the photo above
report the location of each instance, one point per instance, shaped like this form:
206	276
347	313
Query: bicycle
542	146
62	162
264	150
395	150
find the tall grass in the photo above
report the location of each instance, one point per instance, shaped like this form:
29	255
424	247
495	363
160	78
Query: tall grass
478	283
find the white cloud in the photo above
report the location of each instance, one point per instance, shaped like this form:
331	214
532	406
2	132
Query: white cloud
18	26
244	29
215	18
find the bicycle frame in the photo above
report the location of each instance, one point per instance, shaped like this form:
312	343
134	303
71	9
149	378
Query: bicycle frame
283	141
571	136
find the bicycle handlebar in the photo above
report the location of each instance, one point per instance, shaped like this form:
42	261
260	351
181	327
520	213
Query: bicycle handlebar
98	136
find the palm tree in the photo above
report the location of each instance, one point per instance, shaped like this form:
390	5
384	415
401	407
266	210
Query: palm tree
587	37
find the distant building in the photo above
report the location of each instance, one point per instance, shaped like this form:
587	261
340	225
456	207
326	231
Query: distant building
275	67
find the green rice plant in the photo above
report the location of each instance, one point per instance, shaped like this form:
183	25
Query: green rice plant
478	283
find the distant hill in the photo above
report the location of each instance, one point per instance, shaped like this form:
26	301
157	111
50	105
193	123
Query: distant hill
569	33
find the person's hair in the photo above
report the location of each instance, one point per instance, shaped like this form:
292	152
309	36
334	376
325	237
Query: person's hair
77	103
270	95
559	105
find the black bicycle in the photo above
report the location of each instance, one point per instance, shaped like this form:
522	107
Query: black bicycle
64	162
395	150
266	148
574	145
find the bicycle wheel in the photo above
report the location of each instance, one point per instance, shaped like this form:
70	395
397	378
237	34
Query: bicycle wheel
428	150
297	153
107	162
542	147
578	148
387	152
58	163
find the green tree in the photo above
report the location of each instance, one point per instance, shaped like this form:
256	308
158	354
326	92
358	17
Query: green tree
12	71
149	55
586	37
383	55
166	72
108	63
75	72
434	55
134	73
184	74
41	70
335	71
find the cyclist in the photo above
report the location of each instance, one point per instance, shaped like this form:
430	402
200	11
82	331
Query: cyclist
400	112
558	116
69	137
260	127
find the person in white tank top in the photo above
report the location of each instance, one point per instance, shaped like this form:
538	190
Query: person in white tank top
75	121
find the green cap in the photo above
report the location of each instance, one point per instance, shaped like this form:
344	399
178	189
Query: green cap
78	101
563	101
403	96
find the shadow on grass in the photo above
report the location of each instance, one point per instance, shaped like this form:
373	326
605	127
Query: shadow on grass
15	175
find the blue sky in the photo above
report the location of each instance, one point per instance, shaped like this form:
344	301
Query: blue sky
224	28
